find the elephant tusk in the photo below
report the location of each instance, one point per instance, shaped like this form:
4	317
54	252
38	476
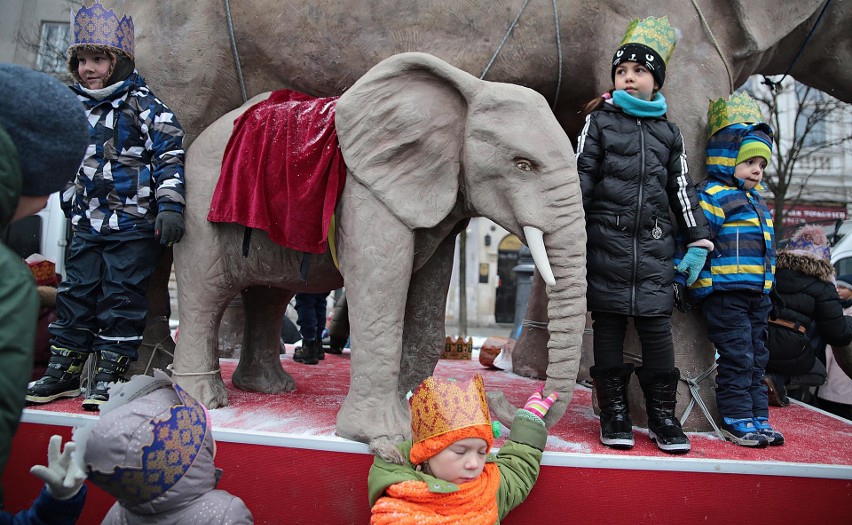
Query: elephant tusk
535	242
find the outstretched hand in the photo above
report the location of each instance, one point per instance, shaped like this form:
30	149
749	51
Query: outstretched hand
61	475
539	405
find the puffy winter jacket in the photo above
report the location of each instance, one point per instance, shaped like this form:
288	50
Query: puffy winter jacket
740	223
633	171
805	294
133	167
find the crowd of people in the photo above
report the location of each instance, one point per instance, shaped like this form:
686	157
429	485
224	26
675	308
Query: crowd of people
115	152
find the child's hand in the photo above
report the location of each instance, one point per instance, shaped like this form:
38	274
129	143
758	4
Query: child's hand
169	227
538	405
61	475
692	263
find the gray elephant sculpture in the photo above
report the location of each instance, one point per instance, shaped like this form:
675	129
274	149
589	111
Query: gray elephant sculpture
427	146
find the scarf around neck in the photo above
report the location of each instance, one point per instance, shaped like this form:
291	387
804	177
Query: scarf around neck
636	107
411	503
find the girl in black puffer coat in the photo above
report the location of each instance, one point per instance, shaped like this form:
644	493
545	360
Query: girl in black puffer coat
804	294
633	171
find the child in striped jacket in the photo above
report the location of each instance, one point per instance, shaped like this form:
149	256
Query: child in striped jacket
738	275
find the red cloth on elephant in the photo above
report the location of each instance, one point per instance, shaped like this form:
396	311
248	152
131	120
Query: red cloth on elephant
283	171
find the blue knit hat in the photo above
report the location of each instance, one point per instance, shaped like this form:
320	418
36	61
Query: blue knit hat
810	241
47	125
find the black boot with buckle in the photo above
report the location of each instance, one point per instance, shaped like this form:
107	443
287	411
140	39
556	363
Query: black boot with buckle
660	388
307	353
611	391
61	379
109	368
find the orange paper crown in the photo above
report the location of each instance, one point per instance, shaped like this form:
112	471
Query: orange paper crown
440	405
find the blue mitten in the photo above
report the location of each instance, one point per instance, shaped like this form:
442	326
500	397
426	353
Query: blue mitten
692	263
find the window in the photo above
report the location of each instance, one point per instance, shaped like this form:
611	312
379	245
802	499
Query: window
810	122
52	45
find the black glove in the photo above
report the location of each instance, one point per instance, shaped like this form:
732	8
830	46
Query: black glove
169	227
679	287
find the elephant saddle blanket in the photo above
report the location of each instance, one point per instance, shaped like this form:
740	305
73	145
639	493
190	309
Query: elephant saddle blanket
282	171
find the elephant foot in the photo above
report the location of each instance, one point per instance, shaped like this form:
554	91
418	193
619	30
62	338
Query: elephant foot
265	379
206	389
503	410
388	450
377	422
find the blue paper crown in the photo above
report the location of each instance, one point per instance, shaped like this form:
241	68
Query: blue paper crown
97	26
176	442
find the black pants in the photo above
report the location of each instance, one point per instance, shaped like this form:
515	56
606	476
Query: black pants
103	302
655	335
310	312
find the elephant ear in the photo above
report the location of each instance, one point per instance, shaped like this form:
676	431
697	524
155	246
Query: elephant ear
763	31
400	128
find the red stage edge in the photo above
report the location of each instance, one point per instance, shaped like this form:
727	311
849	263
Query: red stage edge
299	479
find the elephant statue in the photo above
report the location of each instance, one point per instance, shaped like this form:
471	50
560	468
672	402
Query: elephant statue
427	146
561	50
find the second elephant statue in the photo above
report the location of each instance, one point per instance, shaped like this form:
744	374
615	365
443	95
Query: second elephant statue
427	146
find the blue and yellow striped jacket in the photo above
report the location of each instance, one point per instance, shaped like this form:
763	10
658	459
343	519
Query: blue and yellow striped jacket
740	223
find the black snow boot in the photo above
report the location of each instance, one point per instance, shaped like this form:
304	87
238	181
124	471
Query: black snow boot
660	388
611	390
109	368
61	379
307	353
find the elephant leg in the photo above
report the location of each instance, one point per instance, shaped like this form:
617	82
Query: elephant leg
377	271
196	362
260	367
424	332
530	357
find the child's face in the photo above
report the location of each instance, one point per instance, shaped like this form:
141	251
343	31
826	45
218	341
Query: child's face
750	171
460	462
635	78
844	293
94	69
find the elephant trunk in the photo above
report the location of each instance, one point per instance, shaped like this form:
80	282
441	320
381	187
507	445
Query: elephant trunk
566	311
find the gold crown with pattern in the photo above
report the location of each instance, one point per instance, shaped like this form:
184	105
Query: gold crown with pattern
655	33
441	405
97	26
740	108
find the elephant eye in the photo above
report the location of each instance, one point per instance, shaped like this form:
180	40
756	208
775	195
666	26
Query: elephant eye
523	165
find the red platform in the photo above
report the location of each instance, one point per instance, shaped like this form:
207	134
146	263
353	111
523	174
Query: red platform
280	455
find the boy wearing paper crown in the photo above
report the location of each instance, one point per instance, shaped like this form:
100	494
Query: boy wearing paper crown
634	177
735	282
448	475
127	200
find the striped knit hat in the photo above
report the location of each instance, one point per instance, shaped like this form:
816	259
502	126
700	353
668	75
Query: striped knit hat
725	146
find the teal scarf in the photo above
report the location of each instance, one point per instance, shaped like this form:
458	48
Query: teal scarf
636	107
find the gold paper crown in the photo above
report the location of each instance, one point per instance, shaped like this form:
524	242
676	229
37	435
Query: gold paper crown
101	27
440	405
740	108
655	33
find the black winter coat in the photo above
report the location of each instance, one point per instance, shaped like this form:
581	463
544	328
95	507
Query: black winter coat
632	172
804	293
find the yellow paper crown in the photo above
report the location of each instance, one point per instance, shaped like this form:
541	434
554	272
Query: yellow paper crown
740	108
440	405
101	27
655	33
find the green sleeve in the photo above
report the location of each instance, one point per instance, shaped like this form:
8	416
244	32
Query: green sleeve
519	460
19	311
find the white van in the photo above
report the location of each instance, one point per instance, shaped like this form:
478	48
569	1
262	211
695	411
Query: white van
841	254
46	233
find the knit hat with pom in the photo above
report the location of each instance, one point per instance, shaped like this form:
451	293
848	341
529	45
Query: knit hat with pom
809	241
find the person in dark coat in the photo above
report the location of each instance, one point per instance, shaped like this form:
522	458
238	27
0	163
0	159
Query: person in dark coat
806	295
633	172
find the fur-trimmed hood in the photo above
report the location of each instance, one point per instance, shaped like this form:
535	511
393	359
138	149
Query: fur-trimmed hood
819	268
